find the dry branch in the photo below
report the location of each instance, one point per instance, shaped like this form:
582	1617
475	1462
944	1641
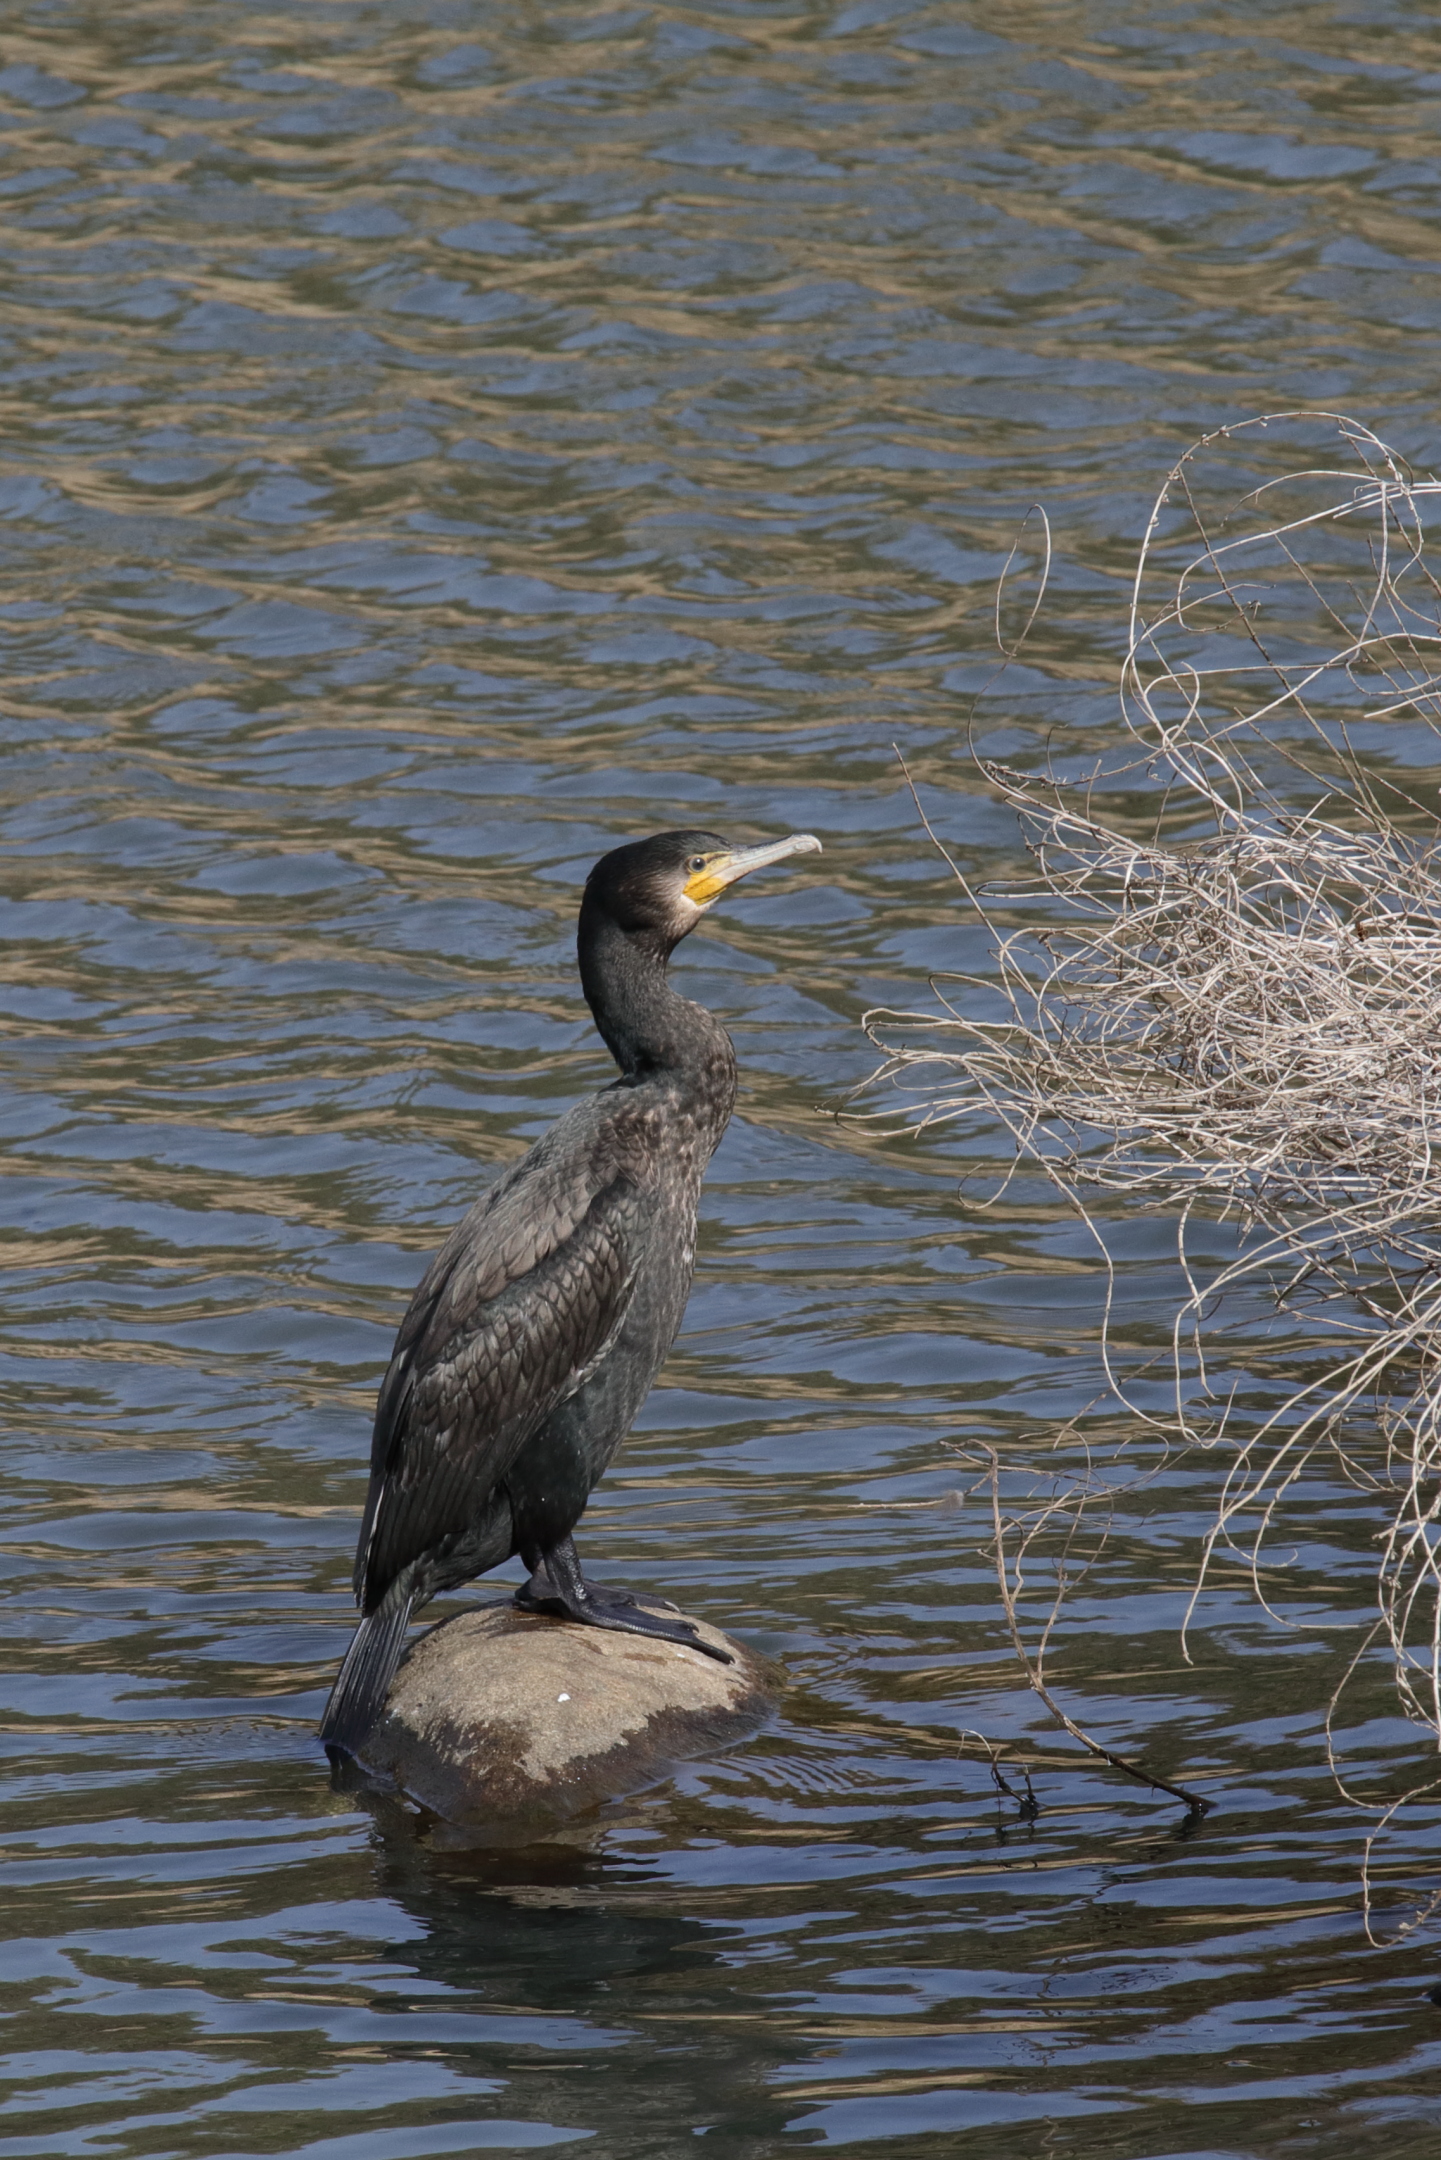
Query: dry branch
1232	1004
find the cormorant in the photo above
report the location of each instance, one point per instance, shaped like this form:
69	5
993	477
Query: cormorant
538	1328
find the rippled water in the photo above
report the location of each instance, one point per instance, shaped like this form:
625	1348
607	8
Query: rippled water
440	440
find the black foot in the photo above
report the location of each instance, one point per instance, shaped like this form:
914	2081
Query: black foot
557	1586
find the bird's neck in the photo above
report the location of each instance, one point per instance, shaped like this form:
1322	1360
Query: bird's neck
649	1028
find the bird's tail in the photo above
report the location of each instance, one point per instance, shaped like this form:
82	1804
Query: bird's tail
361	1685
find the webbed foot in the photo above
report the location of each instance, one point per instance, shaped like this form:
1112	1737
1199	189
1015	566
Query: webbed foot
557	1586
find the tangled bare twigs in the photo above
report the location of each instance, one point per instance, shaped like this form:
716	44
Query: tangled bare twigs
1232	1004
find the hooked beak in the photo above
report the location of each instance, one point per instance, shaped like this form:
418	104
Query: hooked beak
703	885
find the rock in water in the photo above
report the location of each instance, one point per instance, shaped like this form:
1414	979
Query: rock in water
498	1715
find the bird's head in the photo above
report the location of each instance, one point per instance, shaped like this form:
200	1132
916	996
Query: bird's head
658	889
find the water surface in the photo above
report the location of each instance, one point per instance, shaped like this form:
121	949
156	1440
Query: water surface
442	440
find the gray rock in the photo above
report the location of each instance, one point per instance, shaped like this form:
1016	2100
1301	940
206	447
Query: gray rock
499	1716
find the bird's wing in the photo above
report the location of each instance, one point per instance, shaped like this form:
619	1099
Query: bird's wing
523	1298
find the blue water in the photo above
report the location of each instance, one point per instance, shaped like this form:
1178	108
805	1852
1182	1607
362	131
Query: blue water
440	441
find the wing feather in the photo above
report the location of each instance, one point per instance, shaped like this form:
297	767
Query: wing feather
523	1298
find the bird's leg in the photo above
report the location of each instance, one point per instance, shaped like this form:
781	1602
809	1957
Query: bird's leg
557	1586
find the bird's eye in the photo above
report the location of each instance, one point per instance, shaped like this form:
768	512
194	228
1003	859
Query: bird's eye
697	862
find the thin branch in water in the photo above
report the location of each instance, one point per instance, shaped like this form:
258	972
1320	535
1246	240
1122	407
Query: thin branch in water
1028	1806
1036	1680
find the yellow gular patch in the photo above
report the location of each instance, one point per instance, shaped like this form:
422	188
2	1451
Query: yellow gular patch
705	884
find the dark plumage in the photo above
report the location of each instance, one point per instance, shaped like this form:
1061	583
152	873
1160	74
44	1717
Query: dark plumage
538	1328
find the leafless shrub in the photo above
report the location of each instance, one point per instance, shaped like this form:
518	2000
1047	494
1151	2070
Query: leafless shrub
1231	1006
